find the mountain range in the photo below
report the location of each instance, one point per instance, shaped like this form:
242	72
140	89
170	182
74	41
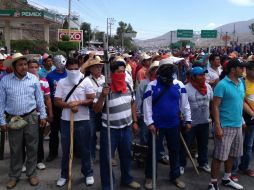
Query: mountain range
237	31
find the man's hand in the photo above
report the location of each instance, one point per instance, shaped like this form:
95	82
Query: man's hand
152	129
43	123
218	132
105	91
74	109
4	128
74	104
244	127
135	128
50	118
188	127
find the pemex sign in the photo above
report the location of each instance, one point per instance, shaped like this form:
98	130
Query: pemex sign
31	13
75	35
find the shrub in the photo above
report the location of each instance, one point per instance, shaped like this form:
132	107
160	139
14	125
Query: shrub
34	46
68	46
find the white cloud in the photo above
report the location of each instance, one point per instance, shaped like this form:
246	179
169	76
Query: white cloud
211	25
246	3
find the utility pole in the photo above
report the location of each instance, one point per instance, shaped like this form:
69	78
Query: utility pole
226	39
234	34
69	17
110	22
122	39
171	38
107	35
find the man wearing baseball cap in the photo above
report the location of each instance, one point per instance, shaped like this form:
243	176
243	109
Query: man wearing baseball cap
200	95
228	105
47	65
244	167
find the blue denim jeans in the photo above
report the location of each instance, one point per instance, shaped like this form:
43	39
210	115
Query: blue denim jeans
247	152
247	148
143	131
160	147
120	139
93	137
82	132
172	136
201	133
144	138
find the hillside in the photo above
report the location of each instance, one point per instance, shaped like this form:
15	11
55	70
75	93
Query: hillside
237	31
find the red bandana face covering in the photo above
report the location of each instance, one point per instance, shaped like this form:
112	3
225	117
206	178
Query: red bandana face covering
118	83
2	68
152	77
199	85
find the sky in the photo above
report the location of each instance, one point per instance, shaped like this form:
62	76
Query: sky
152	18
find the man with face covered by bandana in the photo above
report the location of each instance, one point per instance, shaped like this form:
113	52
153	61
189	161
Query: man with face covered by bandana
164	100
122	118
53	77
200	95
78	103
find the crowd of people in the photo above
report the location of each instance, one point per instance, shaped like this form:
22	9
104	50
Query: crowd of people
164	94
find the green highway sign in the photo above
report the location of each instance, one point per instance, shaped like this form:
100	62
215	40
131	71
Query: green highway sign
208	33
184	33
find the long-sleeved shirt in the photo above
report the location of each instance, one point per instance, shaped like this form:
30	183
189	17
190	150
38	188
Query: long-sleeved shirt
165	114
140	94
18	97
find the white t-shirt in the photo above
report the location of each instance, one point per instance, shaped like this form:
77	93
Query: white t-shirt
213	74
85	87
97	82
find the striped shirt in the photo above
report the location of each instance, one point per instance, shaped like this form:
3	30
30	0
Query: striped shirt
119	104
18	97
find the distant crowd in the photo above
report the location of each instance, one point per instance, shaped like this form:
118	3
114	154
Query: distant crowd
193	93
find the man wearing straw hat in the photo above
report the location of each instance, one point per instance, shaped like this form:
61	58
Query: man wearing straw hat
151	75
20	97
94	66
78	103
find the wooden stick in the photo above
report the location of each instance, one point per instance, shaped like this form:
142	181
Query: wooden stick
154	160
188	152
71	149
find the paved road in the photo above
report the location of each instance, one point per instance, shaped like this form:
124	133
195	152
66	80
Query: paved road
49	176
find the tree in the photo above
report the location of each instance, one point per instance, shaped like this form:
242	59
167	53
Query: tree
120	39
87	32
67	46
99	36
65	24
121	28
251	27
34	46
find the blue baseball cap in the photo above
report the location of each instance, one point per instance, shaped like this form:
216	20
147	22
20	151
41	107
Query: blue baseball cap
198	71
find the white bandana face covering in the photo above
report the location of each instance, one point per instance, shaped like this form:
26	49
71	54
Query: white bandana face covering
74	76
